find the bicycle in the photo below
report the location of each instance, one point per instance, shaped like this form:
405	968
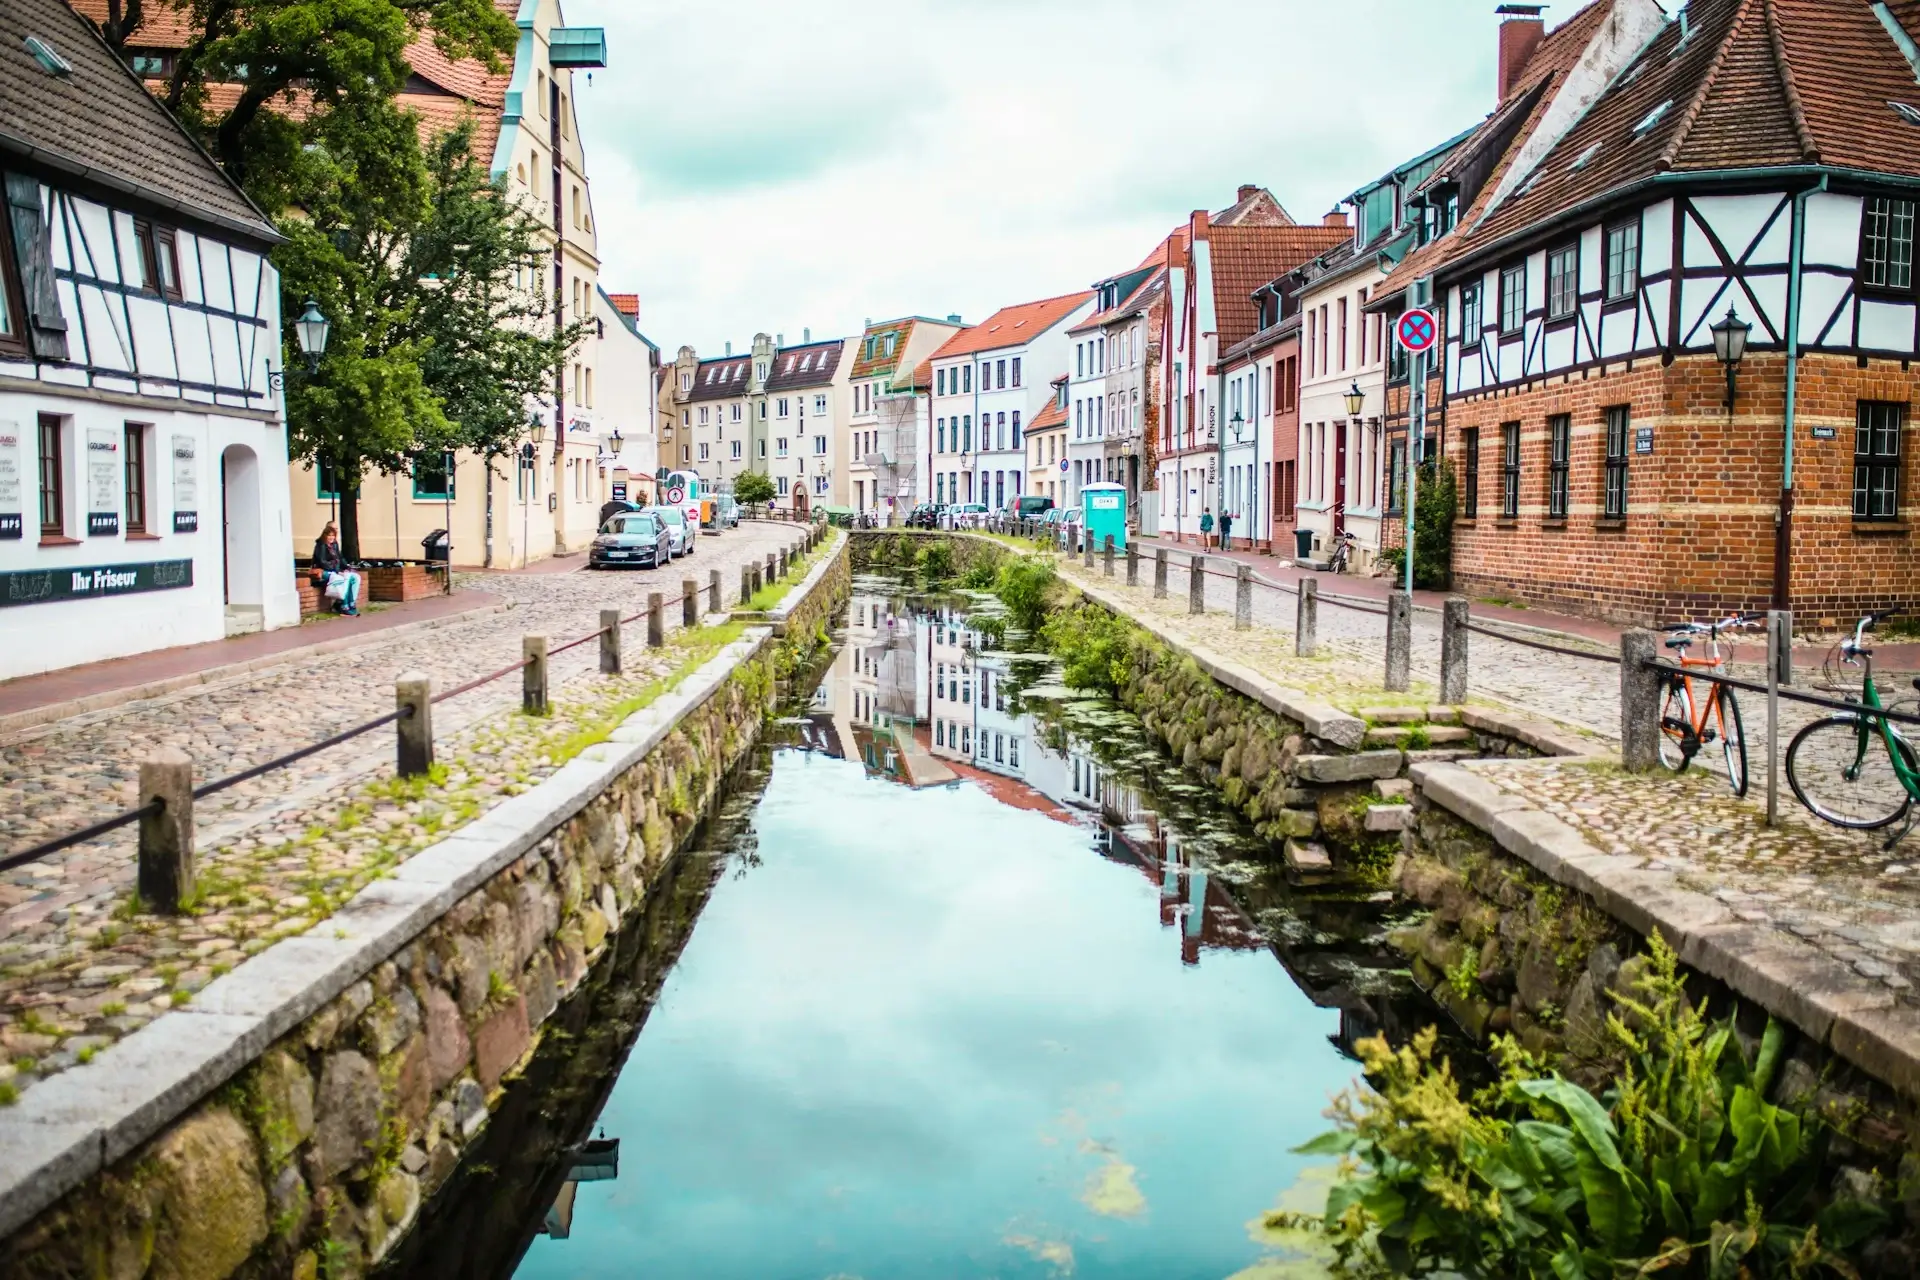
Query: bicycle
1687	724
1343	546
1834	771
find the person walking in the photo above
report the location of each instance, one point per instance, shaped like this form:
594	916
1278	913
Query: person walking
1206	525
1226	526
337	580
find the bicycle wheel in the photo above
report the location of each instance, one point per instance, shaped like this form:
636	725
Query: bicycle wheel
1733	741
1676	726
1841	771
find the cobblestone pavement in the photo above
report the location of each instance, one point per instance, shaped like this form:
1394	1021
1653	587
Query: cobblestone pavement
64	775
1835	889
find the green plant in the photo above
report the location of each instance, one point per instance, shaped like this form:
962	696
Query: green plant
934	563
752	489
1685	1167
9	1093
1464	977
1095	647
113	1008
980	576
499	990
1435	499
1417	739
1024	585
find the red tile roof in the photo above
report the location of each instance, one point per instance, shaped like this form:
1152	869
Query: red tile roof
1013	326
883	360
627	304
1246	257
1143	296
1054	415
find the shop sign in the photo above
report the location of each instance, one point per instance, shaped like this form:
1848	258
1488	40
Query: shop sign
103	483
12	494
186	485
1643	439
89	582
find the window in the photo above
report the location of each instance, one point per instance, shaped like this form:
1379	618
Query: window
1563	282
966	378
781	486
53	497
1016	371
326	482
703	452
1559	450
1470	498
820	444
1470	322
940	437
1509	470
1000	375
783	407
1513	298
1876	460
1016	429
820	485
736	450
433	476
159	261
820	405
1616	505
1886	251
136	478
1623	261
940	382
1396	476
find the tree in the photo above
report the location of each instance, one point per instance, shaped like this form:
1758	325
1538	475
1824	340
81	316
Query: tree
753	488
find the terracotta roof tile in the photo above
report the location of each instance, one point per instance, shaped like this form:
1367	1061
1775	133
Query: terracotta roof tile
1247	257
923	376
883	361
101	117
1143	296
1013	326
1054	415
627	304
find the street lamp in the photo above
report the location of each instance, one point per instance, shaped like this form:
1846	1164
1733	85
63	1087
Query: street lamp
311	331
1355	398
1730	346
614	440
539	428
1238	423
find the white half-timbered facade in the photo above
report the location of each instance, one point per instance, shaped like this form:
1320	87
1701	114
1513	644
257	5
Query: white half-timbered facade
143	489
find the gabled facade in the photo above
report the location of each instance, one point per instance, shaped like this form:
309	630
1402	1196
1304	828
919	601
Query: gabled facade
1748	160
1049	449
628	426
889	446
803	440
143	465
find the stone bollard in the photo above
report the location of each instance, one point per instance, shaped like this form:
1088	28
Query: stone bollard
757	583
772	577
1306	618
656	620
413	731
1086	549
1640	689
1107	556
783	564
609	642
746	584
533	675
1783	654
1196	584
713	591
1453	651
1243	597
1159	573
1133	565
689	604
165	877
1399	641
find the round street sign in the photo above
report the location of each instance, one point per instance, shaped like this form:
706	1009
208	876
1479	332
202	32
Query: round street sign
1063	464
1416	330
676	493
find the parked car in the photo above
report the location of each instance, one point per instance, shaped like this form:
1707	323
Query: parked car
726	512
1069	529
631	538
680	531
926	515
1032	504
966	515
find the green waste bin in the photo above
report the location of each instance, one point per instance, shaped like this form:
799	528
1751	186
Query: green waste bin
1303	543
1103	510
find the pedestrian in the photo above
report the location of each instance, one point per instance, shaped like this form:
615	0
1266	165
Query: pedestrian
1206	525
333	575
1226	524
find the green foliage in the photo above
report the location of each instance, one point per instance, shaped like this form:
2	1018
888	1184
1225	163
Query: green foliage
1685	1167
1435	499
1094	646
934	563
1024	585
980	576
752	489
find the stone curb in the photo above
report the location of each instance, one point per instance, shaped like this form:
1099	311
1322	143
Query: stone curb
1543	736
784	607
79	1122
33	717
1328	723
1858	1019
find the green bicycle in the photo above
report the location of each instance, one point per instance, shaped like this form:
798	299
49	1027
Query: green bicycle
1834	768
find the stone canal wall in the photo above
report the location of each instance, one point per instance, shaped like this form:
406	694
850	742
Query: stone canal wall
295	1116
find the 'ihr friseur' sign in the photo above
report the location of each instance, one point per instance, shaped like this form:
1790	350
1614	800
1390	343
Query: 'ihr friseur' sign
89	582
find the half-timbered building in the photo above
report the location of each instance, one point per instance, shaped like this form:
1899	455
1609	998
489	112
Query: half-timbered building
1746	165
143	458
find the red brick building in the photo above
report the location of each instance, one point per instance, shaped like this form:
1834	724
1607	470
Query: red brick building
1641	179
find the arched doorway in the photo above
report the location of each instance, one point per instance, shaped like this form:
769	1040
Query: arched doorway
242	571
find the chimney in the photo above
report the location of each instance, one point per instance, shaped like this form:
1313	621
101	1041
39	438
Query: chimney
729	348
1521	31
806	336
1247	192
1199	223
953	317
1334	218
779	339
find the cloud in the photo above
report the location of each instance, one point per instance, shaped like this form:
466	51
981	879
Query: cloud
766	166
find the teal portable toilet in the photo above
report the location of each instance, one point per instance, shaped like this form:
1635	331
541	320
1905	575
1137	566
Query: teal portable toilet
1103	509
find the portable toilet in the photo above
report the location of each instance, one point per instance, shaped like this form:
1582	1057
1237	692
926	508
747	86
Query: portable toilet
1103	514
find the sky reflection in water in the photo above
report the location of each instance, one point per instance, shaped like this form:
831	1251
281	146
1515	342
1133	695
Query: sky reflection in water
934	1035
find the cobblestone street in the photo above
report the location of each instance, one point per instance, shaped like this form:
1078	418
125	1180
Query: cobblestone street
308	828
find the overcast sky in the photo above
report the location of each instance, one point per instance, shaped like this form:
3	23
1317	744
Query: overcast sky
771	165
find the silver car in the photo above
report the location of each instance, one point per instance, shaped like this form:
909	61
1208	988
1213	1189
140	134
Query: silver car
680	533
631	538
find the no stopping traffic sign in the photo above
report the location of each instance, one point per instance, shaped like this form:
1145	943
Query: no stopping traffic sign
1416	330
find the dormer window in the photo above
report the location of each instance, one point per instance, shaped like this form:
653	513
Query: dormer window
1584	159
1651	119
1906	112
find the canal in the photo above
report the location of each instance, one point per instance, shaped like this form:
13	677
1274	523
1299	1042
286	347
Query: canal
964	979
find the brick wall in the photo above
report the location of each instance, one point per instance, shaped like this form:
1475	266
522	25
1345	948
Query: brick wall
1699	533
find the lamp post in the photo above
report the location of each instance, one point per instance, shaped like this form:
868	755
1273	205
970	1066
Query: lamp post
1730	347
1355	399
310	331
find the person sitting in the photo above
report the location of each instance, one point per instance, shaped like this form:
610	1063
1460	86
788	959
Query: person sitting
330	566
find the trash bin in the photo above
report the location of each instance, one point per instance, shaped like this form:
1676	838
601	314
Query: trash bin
435	544
1303	543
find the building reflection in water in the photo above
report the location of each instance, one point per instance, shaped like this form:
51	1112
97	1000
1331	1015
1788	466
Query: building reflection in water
595	1160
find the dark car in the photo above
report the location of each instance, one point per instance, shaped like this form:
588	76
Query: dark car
631	538
926	515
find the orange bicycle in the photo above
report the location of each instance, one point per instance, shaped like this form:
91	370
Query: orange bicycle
1690	720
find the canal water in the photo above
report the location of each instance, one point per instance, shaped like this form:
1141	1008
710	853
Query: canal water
965	981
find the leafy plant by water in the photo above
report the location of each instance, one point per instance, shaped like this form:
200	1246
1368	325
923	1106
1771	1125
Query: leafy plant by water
1684	1169
1024	585
1094	647
934	562
980	576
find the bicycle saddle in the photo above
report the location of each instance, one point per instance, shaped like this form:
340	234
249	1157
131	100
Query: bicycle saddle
1679	642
